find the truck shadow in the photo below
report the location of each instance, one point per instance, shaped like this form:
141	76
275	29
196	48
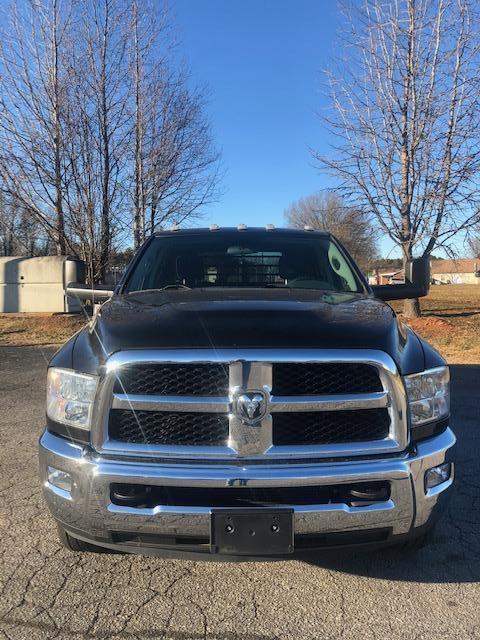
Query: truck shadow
453	554
46	629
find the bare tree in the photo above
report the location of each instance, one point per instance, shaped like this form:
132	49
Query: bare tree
98	131
175	167
20	233
183	167
84	188
98	120
406	117
328	212
474	245
143	35
105	34
32	90
7	227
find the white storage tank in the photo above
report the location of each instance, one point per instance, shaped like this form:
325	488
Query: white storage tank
38	284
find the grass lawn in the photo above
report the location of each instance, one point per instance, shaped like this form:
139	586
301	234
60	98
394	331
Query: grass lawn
450	322
18	329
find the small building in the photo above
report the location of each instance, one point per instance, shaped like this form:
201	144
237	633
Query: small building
39	284
461	271
387	276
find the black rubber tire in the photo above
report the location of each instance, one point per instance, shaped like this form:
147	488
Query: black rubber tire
416	543
73	544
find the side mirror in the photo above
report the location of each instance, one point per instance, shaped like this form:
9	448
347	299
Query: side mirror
417	282
100	293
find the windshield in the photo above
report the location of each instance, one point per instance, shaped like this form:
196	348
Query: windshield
243	260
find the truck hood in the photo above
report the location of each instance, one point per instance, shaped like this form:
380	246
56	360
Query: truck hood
262	318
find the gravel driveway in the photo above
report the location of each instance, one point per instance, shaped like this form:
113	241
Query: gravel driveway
47	592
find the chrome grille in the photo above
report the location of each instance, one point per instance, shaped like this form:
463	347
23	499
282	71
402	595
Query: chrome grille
320	416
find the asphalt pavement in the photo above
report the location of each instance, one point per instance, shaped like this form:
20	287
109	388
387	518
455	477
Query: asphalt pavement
48	592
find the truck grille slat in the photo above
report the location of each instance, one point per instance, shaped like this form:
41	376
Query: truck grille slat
330	427
168	428
311	378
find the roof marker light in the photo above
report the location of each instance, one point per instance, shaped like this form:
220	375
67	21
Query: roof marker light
241	227
308	227
269	227
214	227
174	227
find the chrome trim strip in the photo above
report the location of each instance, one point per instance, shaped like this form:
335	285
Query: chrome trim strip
387	505
367	448
203	404
60	453
168	451
175	356
439	488
61	493
329	403
250	440
159	509
220	404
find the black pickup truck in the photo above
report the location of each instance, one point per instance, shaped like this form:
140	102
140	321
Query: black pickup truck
245	393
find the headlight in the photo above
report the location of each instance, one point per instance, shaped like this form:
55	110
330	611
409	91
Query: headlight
70	397
428	395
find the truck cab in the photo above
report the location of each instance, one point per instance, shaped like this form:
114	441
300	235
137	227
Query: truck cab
244	393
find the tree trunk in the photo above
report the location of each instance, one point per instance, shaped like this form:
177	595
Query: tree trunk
153	211
138	195
411	308
57	143
104	252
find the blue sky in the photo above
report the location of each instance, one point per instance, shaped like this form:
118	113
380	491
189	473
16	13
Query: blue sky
262	61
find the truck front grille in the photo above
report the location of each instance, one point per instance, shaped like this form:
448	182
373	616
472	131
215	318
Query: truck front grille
292	379
195	404
168	428
329	427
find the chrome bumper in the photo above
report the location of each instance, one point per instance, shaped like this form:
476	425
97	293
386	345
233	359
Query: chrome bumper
88	512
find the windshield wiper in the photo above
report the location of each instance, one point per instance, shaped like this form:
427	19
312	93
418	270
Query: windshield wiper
167	286
175	286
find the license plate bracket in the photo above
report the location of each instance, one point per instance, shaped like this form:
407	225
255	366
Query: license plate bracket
252	531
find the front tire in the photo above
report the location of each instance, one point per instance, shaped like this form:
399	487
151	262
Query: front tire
417	542
78	546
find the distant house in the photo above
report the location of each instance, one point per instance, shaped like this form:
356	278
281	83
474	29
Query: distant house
387	276
461	271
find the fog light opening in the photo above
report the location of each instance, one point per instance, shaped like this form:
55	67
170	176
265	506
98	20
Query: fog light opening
60	479
437	475
130	495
